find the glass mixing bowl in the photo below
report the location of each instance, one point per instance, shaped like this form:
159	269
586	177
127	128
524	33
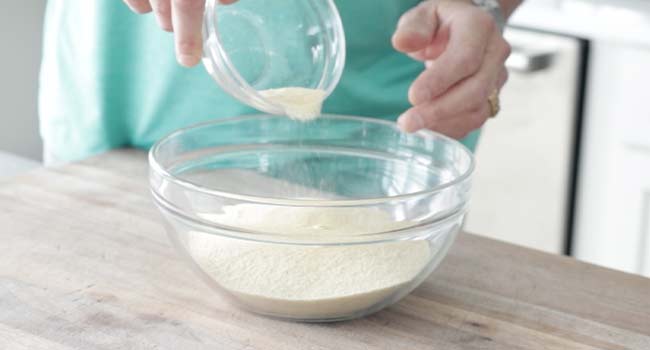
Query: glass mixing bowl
255	45
321	221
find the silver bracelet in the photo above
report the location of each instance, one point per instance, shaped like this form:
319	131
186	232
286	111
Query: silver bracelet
494	8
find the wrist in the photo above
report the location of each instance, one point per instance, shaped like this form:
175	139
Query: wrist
493	7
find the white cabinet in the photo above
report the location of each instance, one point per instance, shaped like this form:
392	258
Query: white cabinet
613	227
612	208
522	183
645	234
613	217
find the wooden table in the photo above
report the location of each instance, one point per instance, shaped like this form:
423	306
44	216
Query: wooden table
85	264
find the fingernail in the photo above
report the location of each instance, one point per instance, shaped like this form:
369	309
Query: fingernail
410	121
188	60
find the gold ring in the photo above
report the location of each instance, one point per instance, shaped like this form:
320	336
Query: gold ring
495	105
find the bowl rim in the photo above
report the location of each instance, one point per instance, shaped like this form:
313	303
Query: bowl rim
157	168
416	231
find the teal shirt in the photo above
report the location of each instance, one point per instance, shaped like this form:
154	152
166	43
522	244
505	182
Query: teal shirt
109	77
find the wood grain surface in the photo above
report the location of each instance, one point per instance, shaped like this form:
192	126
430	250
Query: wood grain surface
85	264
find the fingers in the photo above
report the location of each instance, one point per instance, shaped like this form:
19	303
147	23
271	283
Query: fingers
462	124
138	6
416	28
466	100
161	8
434	49
187	18
456	126
431	115
461	58
163	11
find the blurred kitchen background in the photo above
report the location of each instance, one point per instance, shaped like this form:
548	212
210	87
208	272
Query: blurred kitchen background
564	168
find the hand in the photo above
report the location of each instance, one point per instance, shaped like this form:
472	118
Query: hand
464	55
184	18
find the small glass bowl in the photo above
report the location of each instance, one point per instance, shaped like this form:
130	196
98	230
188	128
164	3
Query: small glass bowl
255	45
419	181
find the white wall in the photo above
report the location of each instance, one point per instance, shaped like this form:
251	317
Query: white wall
21	24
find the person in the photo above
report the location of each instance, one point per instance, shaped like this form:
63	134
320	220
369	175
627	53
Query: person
109	77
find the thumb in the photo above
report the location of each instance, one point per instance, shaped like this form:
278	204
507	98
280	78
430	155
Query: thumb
416	28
